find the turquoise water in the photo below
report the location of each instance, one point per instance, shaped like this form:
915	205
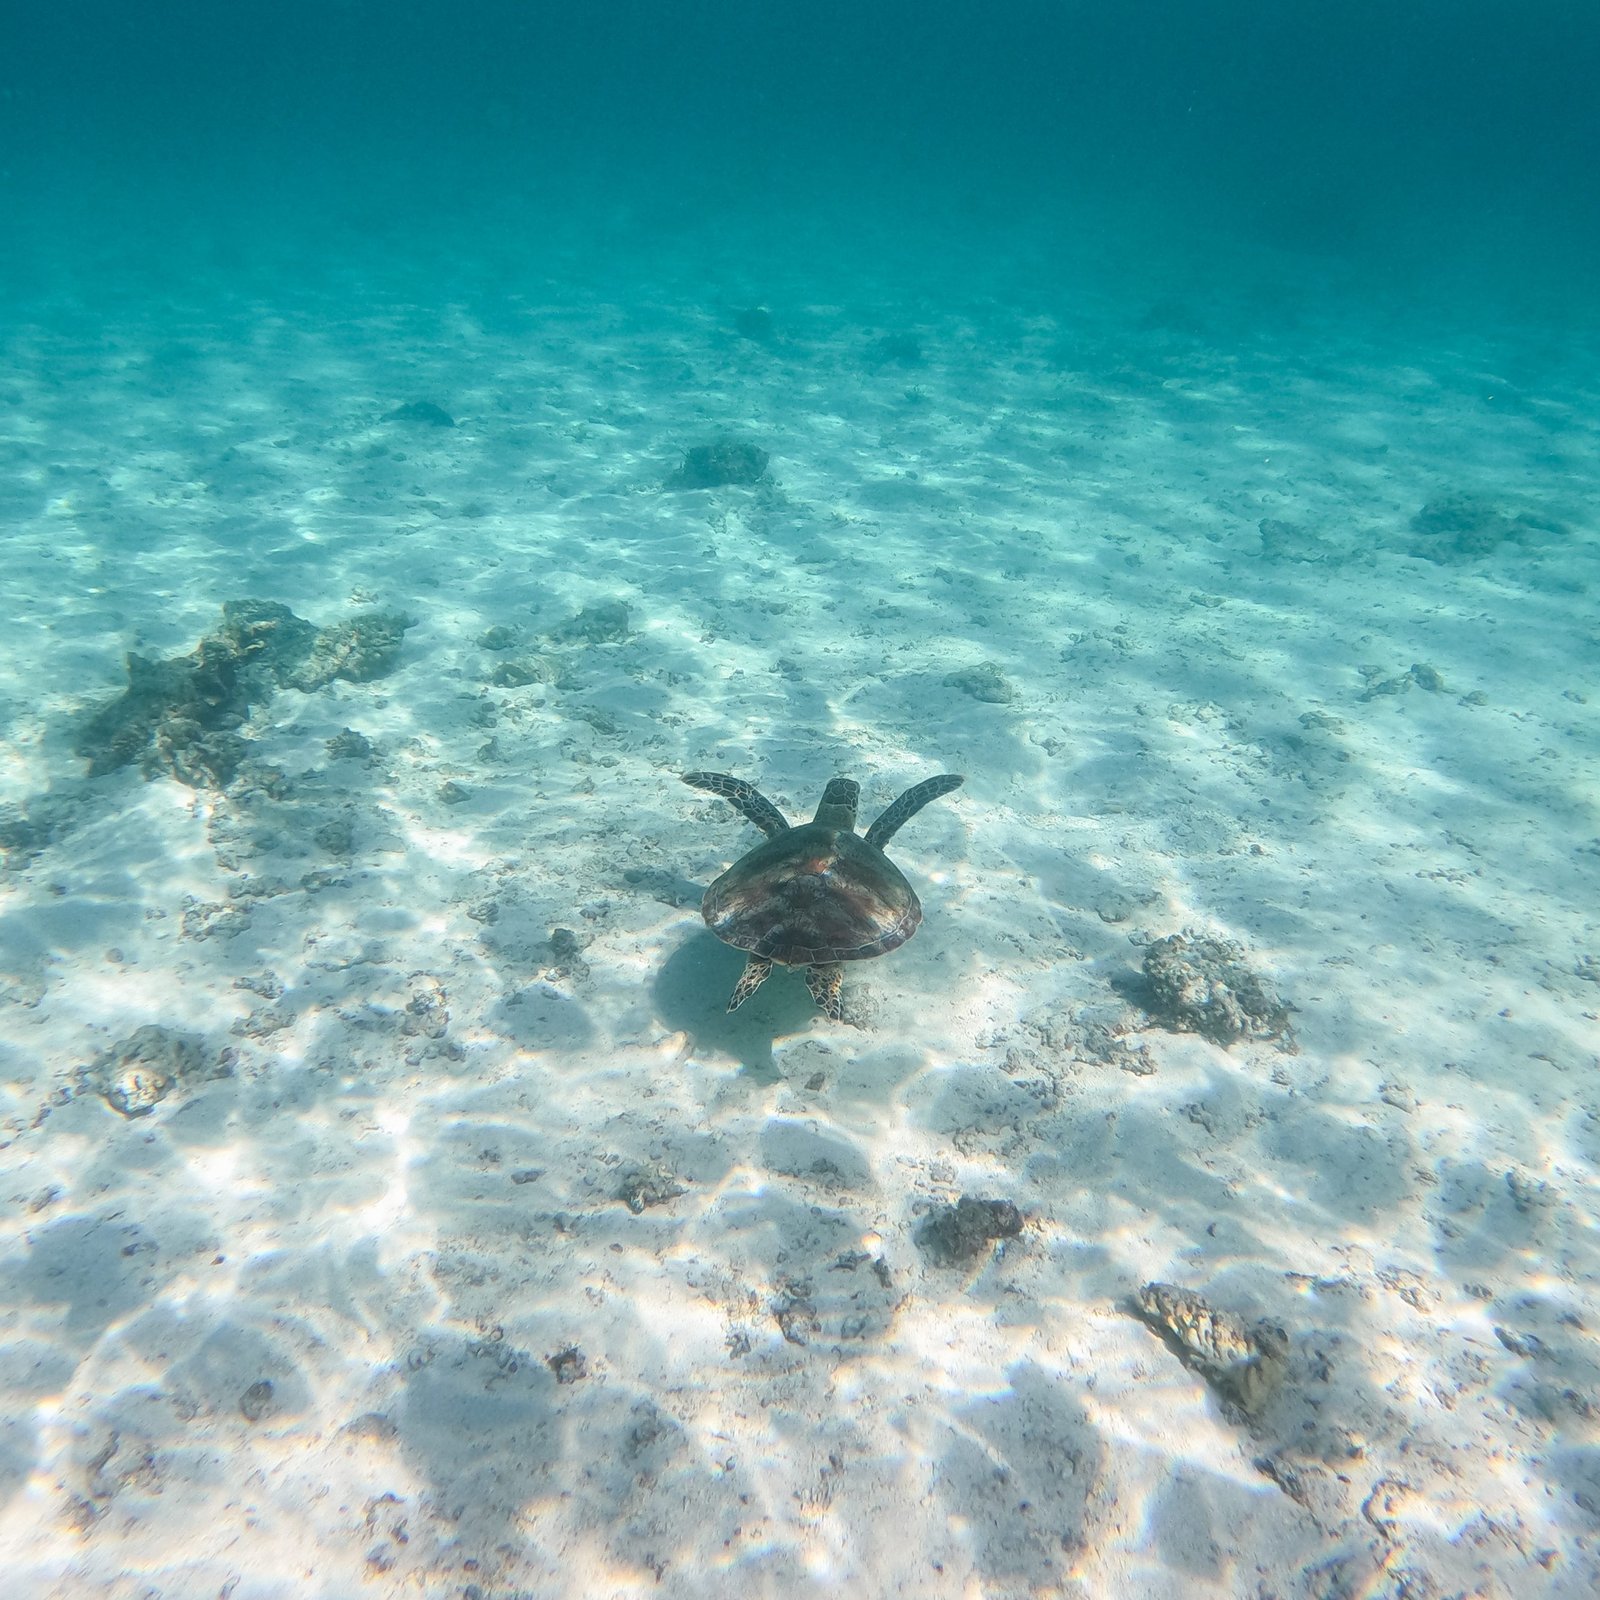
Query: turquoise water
424	438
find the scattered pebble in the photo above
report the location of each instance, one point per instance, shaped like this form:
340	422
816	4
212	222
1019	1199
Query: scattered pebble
257	1401
568	1365
371	1425
348	745
643	1187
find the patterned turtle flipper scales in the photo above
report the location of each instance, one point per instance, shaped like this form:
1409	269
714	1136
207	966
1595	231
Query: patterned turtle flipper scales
751	802
754	975
825	981
907	806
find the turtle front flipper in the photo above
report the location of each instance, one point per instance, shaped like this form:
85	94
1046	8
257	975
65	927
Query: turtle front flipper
825	981
751	802
908	805
754	975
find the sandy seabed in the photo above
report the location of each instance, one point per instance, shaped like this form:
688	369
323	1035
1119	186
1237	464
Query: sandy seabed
361	1306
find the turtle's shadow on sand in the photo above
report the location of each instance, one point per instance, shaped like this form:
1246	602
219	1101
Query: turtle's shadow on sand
691	996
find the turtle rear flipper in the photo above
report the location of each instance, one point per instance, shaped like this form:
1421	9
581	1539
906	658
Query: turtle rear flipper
825	979
751	802
908	805
754	975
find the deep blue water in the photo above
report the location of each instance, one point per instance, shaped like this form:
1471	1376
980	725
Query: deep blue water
1407	137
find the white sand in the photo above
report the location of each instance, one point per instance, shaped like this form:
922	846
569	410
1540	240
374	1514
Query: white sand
396	1226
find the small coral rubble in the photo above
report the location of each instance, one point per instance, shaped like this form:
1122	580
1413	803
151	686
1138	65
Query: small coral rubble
1243	1363
965	1230
137	1073
984	682
1459	526
605	622
425	412
1200	985
725	460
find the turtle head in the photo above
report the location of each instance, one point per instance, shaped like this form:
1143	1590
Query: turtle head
838	807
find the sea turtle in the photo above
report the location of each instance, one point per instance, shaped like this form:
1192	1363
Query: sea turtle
815	895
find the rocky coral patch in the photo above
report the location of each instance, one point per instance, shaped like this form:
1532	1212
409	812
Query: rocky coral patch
181	717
